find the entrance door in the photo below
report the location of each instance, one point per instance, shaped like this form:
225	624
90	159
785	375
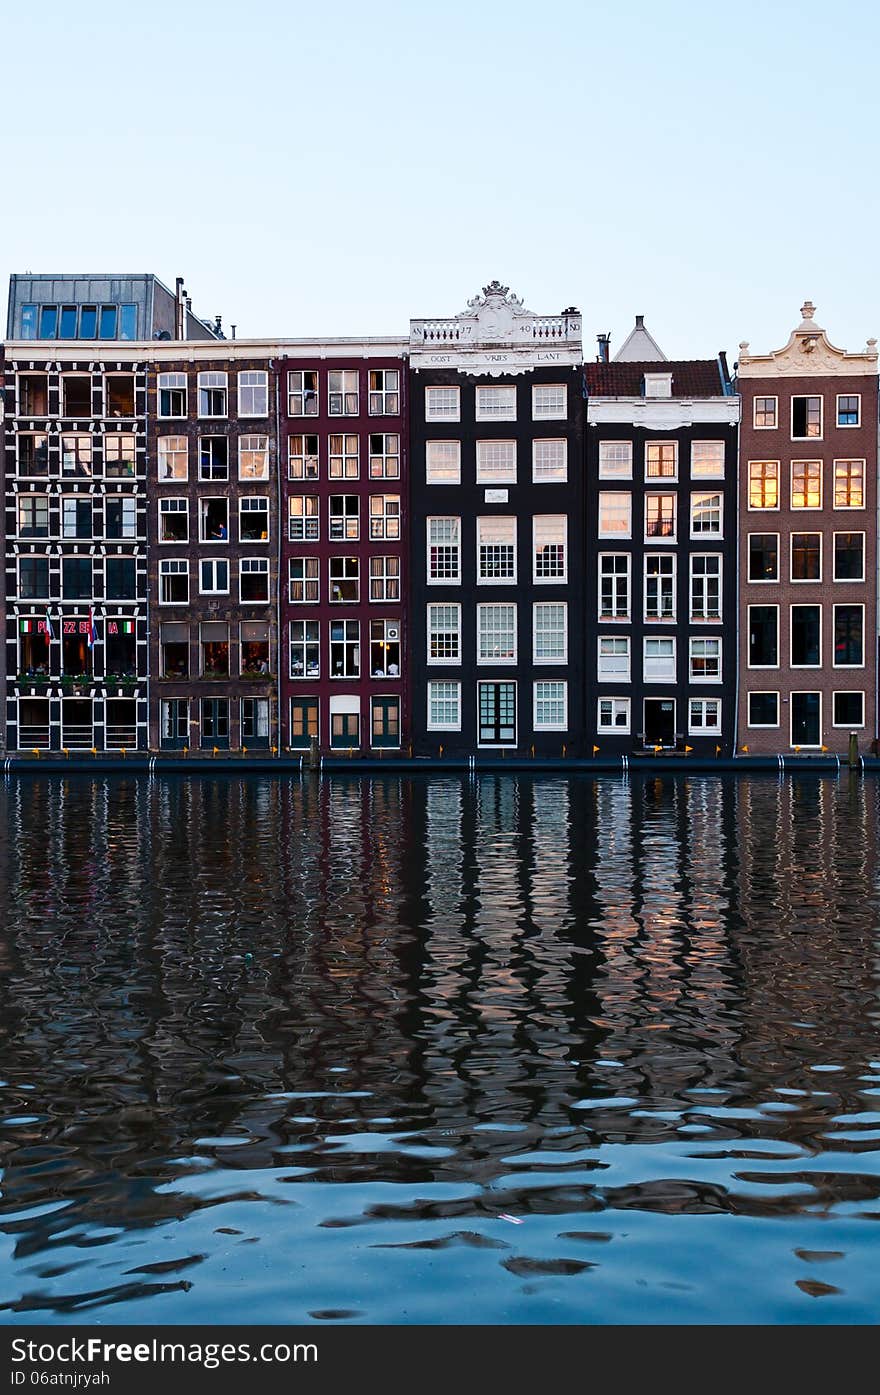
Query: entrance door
255	722
303	722
659	721
174	724
215	723
386	722
806	719
497	714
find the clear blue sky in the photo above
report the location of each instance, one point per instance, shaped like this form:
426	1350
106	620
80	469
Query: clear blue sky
336	168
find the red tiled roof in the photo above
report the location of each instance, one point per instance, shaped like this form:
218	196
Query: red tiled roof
697	377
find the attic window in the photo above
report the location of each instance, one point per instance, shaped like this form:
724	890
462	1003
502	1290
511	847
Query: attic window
658	384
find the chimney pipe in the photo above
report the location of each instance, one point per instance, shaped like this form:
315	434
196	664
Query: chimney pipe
233	331
640	322
604	342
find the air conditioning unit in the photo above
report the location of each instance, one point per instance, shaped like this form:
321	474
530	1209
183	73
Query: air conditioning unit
392	632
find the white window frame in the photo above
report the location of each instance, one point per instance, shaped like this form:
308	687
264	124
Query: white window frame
806	395
451	580
617	534
757	580
848	425
805	580
801	605
299	394
705	640
617	617
670	577
763	726
617	675
849	460
538	697
850	604
765	397
165	506
557	411
310	460
703	474
246	447
847	580
699	535
847	692
508	544
704	577
215	564
311	576
450	411
538	610
620	728
556	579
250	390
434	471
666	640
246	503
540	472
506	395
163	384
494	473
388	456
308	521
432	629
173	566
222	384
615	469
343	456
254	566
385	523
704	730
764	605
383	576
807	508
345	518
806	692
344	392
491	660
764	508
378	397
311	634
178	450
343	559
447	684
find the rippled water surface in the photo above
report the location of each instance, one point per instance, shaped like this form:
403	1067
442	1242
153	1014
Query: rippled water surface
439	1050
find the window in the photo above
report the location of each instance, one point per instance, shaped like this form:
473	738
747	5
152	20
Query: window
496	708
255	655
763	484
444	706
705	656
704	716
707	460
551	706
496	550
344	517
659	660
615	460
88	322
705	515
345	584
549	402
849	484
384	392
763	709
214	520
806	484
659	516
76	578
849	626
496	404
33	453
128	322
253	580
444	634
212	395
496	634
443	462
253	518
384	578
48	321
120	517
302	394
303	722
76	516
253	393
806	636
174	649
304	649
849	710
33	578
849	410
614	572
764	412
213	458
496	462
304	582
661	460
28	328
302	457
613	658
806	418
303	521
173	581
76	654
214	645
119	395
214	576
120	579
763	636
550	461
615	515
76	454
33	515
384	516
171	392
384	457
660	586
763	556
384	648
342	392
442	404
444	549
806	556
33	395
705	586
550	632
849	556
550	547
119	456
344	457
658	384
108	322
345	648
253	457
613	715
173	457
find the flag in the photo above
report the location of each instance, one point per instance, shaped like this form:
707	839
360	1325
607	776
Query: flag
93	633
50	633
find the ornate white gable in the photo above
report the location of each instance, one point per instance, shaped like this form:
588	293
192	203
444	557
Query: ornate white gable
496	334
808	351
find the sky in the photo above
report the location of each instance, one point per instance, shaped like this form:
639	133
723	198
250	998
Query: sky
337	168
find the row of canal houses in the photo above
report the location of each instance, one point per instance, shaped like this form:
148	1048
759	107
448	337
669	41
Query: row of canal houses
469	540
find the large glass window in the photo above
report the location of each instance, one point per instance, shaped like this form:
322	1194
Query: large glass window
763	484
302	393
763	556
659	586
706	586
806	636
496	550
550	632
763	636
444	633
444	549
849	640
550	540
614	575
496	634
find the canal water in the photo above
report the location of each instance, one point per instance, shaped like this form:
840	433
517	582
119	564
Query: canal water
416	1050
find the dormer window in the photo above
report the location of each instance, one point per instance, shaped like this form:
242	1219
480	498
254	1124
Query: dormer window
658	384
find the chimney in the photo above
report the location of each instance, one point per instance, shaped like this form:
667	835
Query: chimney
233	331
179	324
640	322
604	343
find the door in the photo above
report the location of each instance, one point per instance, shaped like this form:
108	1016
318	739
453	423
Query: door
215	723
659	721
345	731
173	724
497	713
386	722
303	722
806	719
255	722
